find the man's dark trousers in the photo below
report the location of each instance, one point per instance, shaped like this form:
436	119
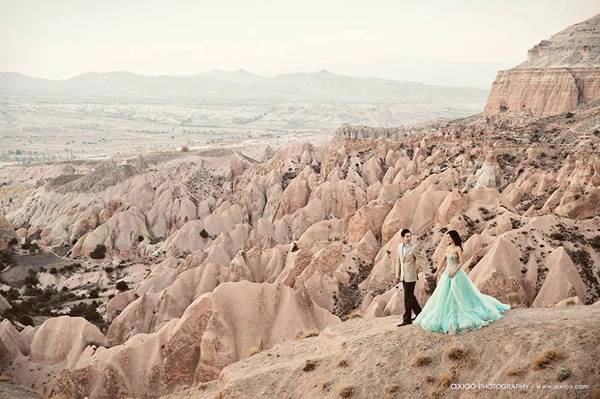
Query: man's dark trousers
410	301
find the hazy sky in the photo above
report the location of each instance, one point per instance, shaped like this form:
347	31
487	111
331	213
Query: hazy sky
441	42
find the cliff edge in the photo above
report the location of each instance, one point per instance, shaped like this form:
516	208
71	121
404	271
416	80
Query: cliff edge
560	74
361	358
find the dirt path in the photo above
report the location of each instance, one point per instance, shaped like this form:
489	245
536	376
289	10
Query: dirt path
10	391
17	272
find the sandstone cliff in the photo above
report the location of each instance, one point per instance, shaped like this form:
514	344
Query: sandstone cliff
559	74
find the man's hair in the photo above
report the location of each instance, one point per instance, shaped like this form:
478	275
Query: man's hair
405	232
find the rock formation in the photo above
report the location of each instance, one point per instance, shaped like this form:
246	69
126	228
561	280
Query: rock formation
560	74
373	358
150	276
234	321
7	233
227	259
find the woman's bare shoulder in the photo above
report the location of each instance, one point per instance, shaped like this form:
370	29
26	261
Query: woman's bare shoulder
453	250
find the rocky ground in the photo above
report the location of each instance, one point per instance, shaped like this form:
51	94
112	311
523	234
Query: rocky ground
375	359
240	273
11	391
146	277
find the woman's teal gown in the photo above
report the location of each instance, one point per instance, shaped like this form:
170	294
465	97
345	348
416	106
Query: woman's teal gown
456	305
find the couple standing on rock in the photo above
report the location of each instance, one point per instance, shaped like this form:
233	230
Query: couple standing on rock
455	305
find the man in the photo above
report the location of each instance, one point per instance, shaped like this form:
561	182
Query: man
407	263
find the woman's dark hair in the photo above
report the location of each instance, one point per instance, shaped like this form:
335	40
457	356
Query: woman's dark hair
404	232
455	238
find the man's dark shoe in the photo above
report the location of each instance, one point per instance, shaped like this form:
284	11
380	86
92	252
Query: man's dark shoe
405	323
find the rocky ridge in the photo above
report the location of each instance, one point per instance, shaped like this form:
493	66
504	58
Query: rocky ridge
560	74
365	359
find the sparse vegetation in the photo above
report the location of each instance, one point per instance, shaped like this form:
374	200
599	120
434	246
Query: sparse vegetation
595	243
70	268
471	225
422	360
287	178
349	295
6	258
310	365
202	386
456	353
31	278
88	311
326	386
343	363
345	391
391	389
308	334
516	371
486	214
564	373
36	302
544	359
122	286
99	252
429	379
12	294
582	259
447	378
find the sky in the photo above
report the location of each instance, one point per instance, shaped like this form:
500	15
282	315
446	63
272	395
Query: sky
443	42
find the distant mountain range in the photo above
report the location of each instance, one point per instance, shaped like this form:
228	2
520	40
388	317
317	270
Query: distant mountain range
240	85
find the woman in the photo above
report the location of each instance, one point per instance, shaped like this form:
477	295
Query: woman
456	305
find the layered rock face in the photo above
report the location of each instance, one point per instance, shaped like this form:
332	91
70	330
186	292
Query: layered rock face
560	74
543	91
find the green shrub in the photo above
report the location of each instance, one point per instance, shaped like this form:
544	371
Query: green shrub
31	279
122	286
99	252
88	311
